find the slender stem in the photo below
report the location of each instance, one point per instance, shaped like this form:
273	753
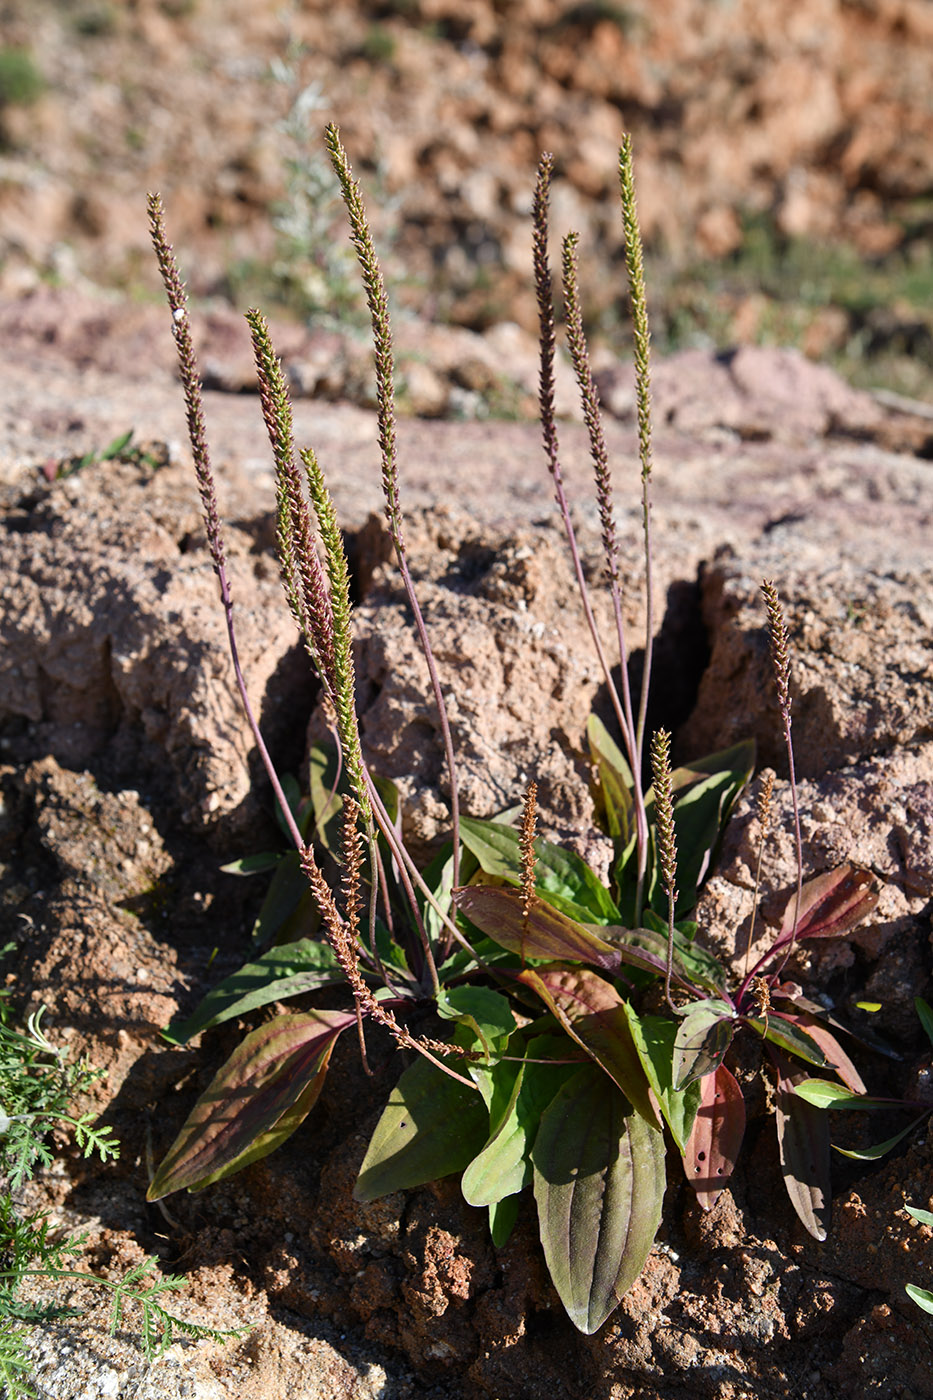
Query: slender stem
191	381
592	415
378	303
549	427
780	659
634	261
404	859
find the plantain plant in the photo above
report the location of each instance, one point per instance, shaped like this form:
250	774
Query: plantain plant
565	1043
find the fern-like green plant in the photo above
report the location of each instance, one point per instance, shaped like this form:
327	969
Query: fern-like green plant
38	1086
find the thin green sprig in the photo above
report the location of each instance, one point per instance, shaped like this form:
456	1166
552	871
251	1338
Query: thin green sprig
667	840
302	573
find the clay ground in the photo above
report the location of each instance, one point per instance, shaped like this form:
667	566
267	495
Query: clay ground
126	782
784	175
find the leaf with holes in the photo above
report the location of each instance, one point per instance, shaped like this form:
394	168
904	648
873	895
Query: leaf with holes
431	1127
718	1129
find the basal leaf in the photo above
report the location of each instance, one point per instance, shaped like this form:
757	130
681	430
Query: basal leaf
653	1037
718	1129
881	1149
599	1185
705	792
561	877
612	790
503	1167
502	1217
921	1296
591	1012
647	948
288	911
925	1012
485	1012
923	1217
701	813
432	1126
823	1093
253	865
782	1030
803	1142
264	1078
831	905
836	1057
702	1039
280	973
544	933
325	796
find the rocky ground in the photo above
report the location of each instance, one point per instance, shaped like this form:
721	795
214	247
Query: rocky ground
784	175
126	784
783	157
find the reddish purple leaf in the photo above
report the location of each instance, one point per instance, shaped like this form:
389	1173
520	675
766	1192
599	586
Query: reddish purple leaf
713	1145
835	1055
830	905
541	933
591	1012
261	1083
803	1142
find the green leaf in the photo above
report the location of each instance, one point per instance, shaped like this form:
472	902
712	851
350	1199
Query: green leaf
925	1012
544	933
280	973
599	1185
921	1296
872	1154
702	1039
431	1126
486	1013
325	800
925	1217
784	1032
612	790
264	1079
288	910
693	965
292	794
836	1057
253	865
592	1013
718	1129
118	445
653	1037
823	1093
503	1167
803	1142
502	1218
561	877
705	793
